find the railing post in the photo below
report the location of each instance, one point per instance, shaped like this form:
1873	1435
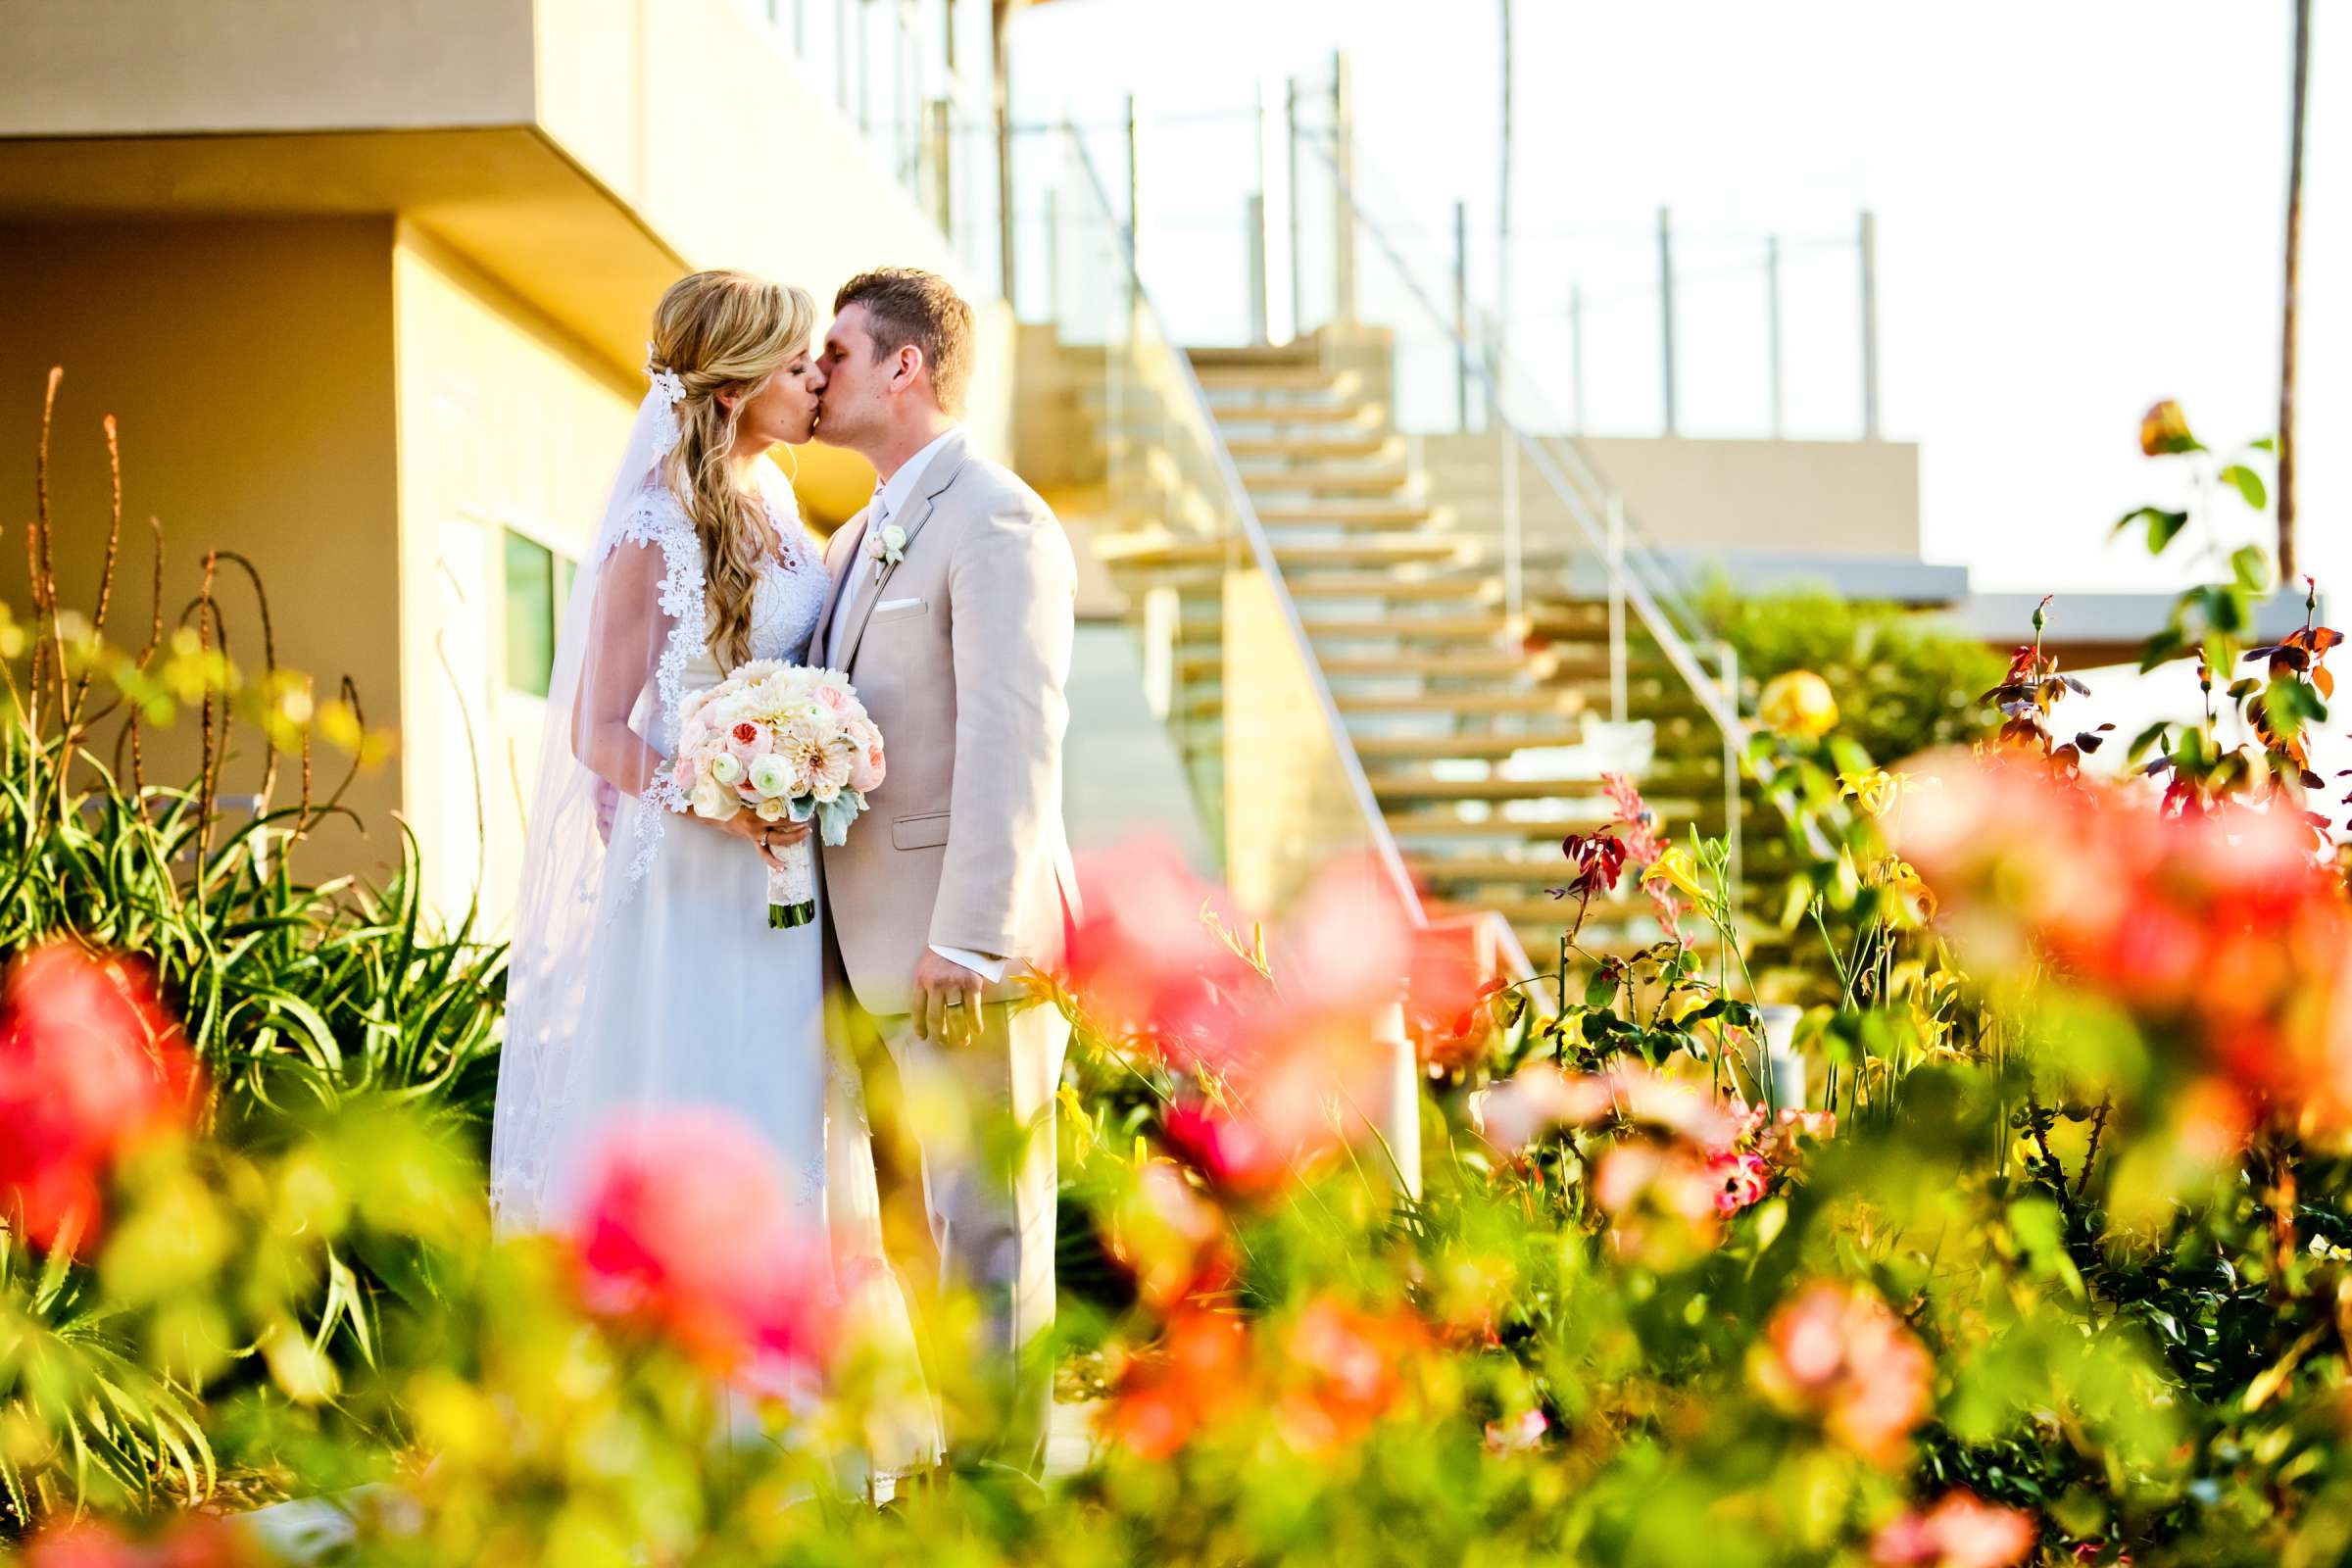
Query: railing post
1461	316
1135	186
943	183
1616	545
1396	1112
1254	207
1576	352
1772	326
1733	800
1666	311
1342	154
1514	536
1290	133
1870	326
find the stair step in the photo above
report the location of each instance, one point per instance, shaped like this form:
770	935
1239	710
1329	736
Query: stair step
1300	378
1548	699
1377	515
1154	552
1448	590
1485	869
1484	746
1420	628
1344	479
1370	444
1255	356
1368	414
1500	664
1403	787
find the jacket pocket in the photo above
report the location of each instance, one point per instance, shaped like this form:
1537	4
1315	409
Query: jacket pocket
891	610
918	832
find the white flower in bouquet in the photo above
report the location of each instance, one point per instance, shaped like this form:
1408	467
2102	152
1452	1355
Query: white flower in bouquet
771	777
723	769
713	801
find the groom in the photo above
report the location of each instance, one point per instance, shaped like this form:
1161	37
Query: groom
951	610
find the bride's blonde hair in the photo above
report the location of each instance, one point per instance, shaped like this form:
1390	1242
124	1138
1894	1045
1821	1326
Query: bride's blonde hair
724	331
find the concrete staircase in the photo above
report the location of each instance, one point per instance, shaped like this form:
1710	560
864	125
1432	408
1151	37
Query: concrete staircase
1482	733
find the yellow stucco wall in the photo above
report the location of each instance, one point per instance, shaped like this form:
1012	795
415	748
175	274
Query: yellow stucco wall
506	423
249	362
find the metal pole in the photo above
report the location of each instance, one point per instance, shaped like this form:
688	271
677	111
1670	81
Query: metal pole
1576	352
1298	271
942	184
865	76
1870	326
1053	253
1461	315
1001	94
840	55
1503	215
1616	540
1515	534
1733	800
800	29
1254	224
1262	232
1135	186
1342	236
1772	326
1666	311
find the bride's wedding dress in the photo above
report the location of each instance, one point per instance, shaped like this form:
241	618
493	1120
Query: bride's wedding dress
645	976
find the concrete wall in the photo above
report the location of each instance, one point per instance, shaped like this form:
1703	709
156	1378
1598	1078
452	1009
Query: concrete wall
1826	498
98	67
506	424
250	364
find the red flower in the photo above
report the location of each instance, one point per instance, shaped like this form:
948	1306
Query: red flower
193	1542
685	1231
90	1068
1959	1531
1836	1351
1740	1181
2218	930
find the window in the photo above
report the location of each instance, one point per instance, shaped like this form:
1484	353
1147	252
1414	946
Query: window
538	580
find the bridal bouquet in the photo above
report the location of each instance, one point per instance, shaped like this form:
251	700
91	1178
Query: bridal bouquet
787	743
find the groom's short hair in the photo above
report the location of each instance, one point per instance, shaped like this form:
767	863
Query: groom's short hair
907	305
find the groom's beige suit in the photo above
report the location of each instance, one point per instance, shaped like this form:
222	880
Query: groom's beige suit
960	650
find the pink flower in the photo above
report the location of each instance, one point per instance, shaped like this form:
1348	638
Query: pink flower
1741	1181
1959	1531
685	1231
749	742
1661	1203
832	697
1838	1353
866	770
1518	1436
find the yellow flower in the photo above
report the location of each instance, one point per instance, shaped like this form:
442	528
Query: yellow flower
1798	706
1874	791
1676	869
2164	429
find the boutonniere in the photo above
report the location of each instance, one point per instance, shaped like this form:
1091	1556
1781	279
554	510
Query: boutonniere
888	547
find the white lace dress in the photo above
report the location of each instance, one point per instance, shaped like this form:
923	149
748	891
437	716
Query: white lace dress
693	1001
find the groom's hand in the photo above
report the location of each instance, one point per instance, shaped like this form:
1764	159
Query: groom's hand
947	1000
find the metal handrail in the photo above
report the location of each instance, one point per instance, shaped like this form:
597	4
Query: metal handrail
1261	550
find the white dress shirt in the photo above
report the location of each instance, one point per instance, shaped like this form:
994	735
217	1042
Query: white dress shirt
889	499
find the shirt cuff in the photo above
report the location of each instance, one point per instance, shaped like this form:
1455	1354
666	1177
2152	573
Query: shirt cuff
987	968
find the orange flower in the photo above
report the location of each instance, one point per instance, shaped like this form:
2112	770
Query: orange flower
2164	430
1196	1377
1837	1352
1347	1367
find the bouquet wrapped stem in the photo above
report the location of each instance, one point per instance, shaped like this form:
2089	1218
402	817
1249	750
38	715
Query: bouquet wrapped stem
792	887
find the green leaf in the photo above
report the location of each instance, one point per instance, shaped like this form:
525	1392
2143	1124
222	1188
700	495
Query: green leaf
2268	443
2250	565
2248	485
2163	527
1601	990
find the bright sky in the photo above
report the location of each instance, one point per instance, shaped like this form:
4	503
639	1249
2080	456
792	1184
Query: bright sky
2080	209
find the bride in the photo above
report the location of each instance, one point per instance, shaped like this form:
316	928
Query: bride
645	977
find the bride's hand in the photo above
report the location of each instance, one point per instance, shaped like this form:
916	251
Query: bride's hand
769	837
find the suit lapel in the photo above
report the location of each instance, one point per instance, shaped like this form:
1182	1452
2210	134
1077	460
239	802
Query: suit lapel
938	475
822	638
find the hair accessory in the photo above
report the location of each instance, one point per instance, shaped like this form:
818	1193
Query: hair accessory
666	380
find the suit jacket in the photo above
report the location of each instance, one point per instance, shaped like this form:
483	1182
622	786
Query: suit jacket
964	673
